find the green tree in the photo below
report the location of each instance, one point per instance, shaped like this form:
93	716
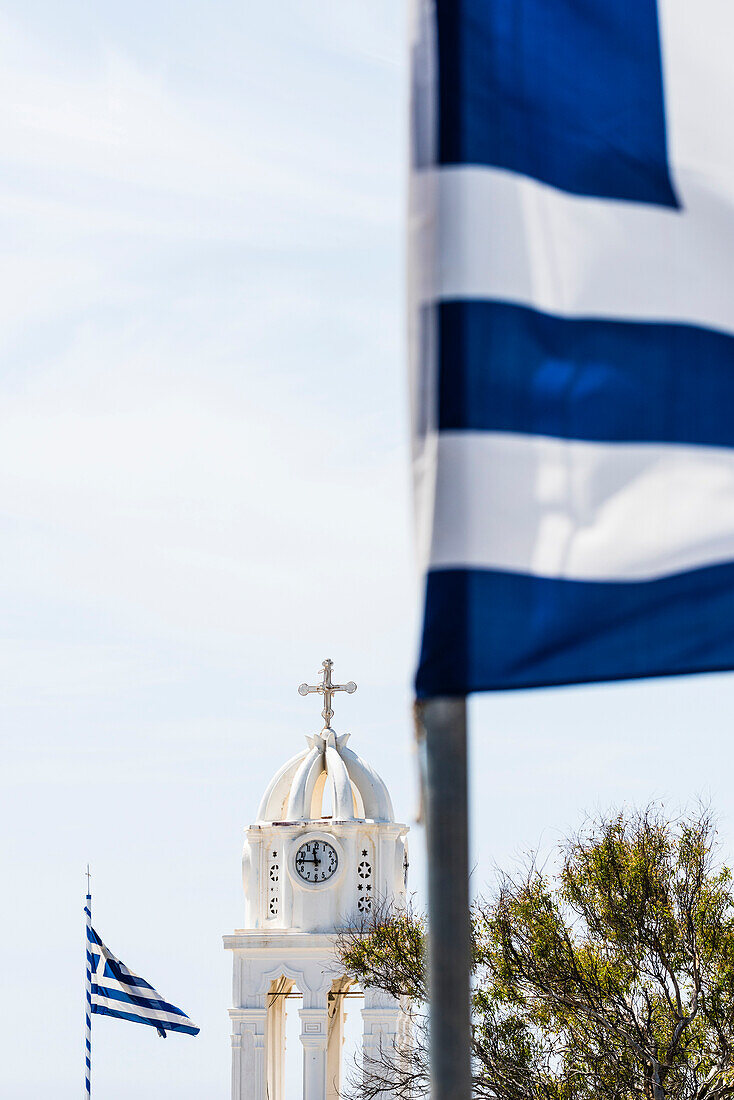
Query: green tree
610	979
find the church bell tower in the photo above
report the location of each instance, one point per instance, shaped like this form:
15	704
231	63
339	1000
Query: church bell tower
307	872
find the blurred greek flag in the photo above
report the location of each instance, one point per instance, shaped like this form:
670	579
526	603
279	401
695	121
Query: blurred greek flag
572	339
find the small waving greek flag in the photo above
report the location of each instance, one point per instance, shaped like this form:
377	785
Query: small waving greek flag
113	990
116	991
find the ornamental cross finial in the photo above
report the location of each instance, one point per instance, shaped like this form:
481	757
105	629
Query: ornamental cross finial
327	689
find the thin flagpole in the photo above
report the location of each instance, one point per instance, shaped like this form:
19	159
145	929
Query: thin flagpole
88	1033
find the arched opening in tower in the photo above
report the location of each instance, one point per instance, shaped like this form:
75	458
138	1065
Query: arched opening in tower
350	995
283	1061
322	801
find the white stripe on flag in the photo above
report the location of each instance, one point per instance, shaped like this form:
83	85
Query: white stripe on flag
510	238
102	980
584	511
139	1010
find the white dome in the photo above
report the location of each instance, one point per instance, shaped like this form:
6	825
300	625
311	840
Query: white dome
296	791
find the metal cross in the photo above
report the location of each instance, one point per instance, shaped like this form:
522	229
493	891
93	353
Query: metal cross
327	689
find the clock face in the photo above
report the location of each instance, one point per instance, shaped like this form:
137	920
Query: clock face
316	861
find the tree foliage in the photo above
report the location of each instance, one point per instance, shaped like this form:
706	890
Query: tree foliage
611	979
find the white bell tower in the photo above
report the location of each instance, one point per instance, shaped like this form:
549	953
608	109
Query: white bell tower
307	873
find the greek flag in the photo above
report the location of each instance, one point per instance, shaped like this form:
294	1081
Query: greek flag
572	339
116	991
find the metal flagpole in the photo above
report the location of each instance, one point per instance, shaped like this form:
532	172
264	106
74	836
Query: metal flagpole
441	730
88	1032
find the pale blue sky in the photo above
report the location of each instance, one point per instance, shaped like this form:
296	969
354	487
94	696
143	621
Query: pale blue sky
204	491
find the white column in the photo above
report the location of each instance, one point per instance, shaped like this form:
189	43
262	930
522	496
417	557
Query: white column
248	1052
236	1038
381	1026
314	1036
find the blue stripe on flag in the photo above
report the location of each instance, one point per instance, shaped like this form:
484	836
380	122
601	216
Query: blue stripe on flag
569	92
187	1029
510	368
118	971
131	998
489	630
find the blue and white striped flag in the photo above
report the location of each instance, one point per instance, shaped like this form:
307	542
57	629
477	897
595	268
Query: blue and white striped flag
572	339
116	991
